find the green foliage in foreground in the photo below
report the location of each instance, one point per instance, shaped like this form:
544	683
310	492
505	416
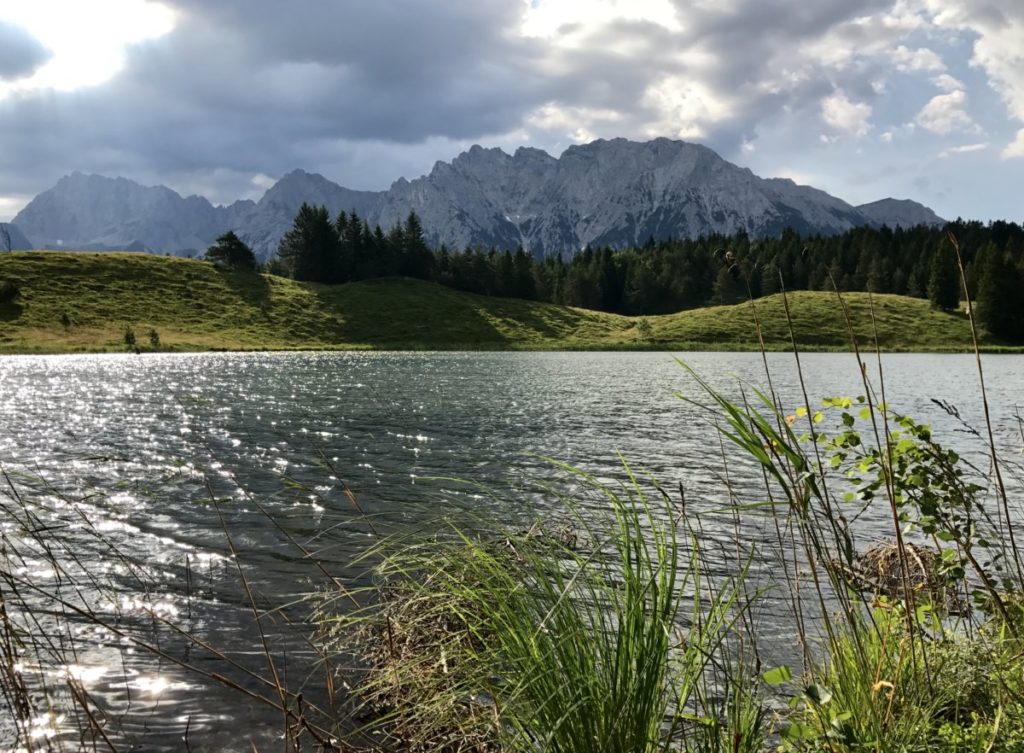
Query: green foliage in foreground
905	665
84	301
883	689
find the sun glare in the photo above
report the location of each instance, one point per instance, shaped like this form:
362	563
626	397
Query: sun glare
87	41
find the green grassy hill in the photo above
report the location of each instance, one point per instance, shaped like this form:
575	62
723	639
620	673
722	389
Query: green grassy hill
84	302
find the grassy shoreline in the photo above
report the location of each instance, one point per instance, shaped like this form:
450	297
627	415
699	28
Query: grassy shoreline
83	302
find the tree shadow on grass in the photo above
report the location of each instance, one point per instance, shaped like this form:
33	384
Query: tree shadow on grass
393	313
549	322
248	284
10	311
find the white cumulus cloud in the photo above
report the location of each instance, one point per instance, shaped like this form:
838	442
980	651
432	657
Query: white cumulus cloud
947	83
921	59
998	49
845	116
1016	147
944	113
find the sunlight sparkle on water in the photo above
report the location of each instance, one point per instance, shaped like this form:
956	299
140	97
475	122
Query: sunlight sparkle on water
83	674
45	726
160	608
154	685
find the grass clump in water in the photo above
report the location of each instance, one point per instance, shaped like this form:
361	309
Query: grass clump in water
527	643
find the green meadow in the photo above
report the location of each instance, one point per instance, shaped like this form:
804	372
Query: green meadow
84	302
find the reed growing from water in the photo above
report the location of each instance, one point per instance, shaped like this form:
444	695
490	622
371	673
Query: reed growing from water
521	641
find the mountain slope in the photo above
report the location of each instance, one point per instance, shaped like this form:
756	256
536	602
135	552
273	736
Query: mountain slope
94	212
899	212
615	193
12	233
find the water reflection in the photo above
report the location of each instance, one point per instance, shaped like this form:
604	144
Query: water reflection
129	470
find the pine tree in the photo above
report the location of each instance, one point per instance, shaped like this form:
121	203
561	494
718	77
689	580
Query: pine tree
1000	304
524	286
943	279
769	279
353	262
504	282
416	257
231	252
727	289
310	250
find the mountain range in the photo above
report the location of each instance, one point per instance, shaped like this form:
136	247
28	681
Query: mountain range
606	193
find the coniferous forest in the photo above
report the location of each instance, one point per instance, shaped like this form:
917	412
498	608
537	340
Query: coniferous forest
672	275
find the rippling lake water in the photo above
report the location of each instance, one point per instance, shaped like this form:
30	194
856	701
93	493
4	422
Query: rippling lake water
122	457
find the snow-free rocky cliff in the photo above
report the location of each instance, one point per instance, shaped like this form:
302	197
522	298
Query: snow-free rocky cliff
616	193
11	235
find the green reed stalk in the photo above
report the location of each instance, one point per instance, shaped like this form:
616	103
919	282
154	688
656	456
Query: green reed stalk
573	652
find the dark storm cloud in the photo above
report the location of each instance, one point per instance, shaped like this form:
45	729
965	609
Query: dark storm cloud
397	70
252	86
20	52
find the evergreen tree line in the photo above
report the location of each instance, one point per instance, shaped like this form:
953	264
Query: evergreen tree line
346	249
672	275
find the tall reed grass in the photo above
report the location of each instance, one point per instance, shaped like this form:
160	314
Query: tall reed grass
523	641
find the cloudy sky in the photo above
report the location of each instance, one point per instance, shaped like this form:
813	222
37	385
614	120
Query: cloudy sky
919	99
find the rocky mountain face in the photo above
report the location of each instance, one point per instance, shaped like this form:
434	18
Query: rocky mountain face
893	212
12	239
93	212
614	193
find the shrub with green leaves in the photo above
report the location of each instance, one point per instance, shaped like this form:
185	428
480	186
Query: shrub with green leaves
932	492
872	692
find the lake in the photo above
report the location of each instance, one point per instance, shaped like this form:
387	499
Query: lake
140	467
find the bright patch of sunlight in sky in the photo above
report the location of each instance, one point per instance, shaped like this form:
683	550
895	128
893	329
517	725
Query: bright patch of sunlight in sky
87	40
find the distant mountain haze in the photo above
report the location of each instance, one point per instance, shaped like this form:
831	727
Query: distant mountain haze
893	212
12	238
606	193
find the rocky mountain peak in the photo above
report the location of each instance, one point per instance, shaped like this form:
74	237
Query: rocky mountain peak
530	154
611	192
899	212
479	160
296	182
